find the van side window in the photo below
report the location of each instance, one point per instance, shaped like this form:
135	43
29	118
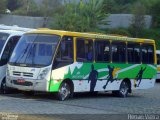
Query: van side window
102	51
119	52
9	49
65	52
133	53
84	50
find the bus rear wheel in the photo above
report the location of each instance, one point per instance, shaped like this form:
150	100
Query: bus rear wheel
123	90
64	91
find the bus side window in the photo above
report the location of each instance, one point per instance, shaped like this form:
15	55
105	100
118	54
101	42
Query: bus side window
9	49
158	59
147	54
119	52
84	50
65	52
144	54
102	51
133	51
150	54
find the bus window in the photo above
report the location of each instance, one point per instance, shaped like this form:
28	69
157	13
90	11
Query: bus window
147	54
118	52
151	54
65	52
84	50
9	49
133	51
158	59
102	51
144	54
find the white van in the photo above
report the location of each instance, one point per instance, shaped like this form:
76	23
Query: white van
9	36
158	65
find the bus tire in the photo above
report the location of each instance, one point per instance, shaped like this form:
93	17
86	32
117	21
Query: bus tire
64	91
3	89
115	93
28	93
123	90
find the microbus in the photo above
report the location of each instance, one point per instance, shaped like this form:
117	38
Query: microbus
64	62
9	36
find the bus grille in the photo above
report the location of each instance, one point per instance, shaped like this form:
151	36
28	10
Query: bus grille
25	74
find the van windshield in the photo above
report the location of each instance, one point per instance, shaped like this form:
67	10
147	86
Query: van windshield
34	50
3	38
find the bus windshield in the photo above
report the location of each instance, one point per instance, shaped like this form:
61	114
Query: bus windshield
34	50
3	38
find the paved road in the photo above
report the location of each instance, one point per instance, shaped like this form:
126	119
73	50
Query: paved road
139	102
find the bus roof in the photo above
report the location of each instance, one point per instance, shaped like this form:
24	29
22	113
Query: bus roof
12	32
89	35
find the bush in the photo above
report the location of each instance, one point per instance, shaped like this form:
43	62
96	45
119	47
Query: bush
152	34
119	31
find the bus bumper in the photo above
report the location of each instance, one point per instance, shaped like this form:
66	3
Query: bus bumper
27	84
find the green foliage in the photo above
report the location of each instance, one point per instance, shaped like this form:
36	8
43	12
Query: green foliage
119	31
28	8
82	16
152	34
3	6
138	20
49	7
155	12
14	4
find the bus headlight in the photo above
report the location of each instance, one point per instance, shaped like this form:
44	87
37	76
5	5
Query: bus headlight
44	73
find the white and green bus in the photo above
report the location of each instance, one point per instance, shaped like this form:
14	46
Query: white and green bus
65	62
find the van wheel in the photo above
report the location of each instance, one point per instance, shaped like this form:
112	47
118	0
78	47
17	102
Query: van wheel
64	91
3	89
124	88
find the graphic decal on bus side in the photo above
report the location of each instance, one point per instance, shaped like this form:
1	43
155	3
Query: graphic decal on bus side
93	76
110	76
104	75
139	77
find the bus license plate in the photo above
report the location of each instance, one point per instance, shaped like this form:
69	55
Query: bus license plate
20	81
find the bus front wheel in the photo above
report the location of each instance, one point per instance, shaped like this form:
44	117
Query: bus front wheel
124	89
3	89
64	91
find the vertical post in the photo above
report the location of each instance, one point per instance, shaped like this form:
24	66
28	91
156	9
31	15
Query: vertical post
75	48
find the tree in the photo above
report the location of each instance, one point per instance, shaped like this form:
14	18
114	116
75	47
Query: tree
14	4
110	6
84	16
155	12
28	8
3	6
138	20
49	7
